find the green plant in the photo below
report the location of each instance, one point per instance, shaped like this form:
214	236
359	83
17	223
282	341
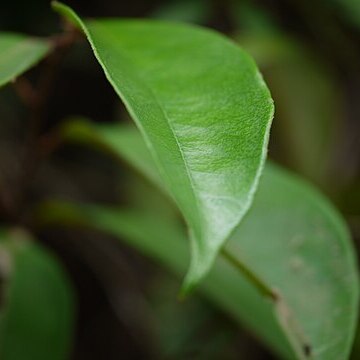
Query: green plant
280	261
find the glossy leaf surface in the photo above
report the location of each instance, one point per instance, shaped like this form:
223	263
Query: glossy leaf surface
37	309
18	53
204	111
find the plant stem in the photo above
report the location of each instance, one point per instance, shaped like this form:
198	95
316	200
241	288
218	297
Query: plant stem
7	206
260	284
36	99
26	92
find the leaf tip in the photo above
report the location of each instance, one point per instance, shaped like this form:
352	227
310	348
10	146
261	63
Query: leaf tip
186	289
68	13
192	279
56	5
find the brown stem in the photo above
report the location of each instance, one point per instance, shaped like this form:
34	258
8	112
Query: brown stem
36	99
26	92
7	205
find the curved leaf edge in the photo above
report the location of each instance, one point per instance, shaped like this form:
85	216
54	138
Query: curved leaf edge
199	265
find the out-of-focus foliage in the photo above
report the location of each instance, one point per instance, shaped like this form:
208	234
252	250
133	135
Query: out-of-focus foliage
193	11
37	313
350	8
18	54
309	55
166	243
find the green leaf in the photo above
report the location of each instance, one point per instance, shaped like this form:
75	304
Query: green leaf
204	112
18	53
37	309
292	238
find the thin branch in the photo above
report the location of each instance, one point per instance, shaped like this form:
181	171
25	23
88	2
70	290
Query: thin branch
37	99
7	205
26	92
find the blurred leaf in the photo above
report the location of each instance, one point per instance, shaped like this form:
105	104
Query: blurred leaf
350	8
18	53
291	237
192	329
194	11
204	112
308	102
37	309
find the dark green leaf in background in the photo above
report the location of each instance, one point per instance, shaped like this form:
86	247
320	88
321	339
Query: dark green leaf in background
291	237
37	304
18	53
302	249
204	112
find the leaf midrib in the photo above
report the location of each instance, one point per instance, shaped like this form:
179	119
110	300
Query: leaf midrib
165	117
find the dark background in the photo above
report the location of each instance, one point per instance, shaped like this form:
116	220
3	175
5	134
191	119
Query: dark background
114	285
